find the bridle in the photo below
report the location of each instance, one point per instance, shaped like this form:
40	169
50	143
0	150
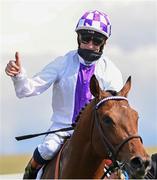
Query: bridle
112	151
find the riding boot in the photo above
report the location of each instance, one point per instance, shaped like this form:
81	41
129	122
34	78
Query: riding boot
30	172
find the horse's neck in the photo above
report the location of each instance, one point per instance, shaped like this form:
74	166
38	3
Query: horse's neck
82	159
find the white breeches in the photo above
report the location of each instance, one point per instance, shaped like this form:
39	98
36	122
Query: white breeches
52	143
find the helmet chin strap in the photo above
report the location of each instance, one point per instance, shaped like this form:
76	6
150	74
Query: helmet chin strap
89	55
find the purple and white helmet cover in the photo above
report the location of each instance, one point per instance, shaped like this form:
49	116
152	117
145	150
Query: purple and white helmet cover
96	21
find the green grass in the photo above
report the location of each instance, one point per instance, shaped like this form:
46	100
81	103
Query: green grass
16	163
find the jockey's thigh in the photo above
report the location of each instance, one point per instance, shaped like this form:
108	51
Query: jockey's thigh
52	143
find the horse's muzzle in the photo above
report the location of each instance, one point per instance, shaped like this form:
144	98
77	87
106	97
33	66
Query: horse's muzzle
139	167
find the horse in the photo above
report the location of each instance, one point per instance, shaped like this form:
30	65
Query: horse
152	173
107	128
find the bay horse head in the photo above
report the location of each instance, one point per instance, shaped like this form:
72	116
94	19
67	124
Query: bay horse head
107	128
115	130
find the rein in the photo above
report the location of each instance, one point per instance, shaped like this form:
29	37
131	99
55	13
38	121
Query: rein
112	151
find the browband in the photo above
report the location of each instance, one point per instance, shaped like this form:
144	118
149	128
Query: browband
110	98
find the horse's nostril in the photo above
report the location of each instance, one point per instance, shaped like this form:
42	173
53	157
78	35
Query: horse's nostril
136	162
140	166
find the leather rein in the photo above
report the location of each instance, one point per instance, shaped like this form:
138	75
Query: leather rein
112	151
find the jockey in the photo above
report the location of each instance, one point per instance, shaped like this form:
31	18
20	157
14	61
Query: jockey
69	76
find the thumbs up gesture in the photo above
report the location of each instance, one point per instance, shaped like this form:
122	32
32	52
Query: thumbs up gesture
14	66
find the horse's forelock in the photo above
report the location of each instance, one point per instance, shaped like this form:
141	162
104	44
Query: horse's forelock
112	92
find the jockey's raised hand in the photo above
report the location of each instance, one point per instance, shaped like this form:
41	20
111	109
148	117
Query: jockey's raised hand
14	66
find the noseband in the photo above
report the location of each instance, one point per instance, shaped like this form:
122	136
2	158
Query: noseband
112	151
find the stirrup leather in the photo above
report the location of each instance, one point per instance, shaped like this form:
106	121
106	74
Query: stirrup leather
57	166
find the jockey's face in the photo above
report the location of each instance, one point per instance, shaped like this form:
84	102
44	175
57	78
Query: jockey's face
91	41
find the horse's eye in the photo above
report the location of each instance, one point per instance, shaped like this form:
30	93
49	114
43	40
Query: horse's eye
107	120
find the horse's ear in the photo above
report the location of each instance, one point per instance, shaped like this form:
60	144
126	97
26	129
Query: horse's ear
94	86
126	88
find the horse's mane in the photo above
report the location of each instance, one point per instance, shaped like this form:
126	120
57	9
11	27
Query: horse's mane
112	92
81	111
